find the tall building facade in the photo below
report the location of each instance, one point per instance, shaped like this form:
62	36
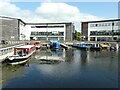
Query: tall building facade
105	30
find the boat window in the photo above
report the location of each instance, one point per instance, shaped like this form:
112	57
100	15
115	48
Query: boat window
96	45
19	52
2	52
25	52
5	51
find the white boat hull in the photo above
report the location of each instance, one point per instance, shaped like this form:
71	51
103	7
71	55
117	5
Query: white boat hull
18	60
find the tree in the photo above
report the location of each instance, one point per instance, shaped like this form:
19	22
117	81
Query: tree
77	35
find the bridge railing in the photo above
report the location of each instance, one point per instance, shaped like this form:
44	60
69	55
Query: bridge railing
10	43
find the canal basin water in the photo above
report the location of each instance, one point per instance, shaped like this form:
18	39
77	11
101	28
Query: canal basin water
80	69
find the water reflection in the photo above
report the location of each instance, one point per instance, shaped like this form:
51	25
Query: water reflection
84	57
56	52
10	72
69	55
82	68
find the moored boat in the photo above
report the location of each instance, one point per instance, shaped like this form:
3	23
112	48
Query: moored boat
104	46
81	45
84	45
95	46
54	44
21	54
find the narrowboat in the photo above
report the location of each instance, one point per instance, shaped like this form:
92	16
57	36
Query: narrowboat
95	46
80	45
54	44
21	54
104	46
83	45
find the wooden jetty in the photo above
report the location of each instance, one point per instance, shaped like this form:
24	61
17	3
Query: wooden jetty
65	46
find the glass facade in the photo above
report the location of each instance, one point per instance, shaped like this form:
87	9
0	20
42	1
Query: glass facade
47	33
50	38
105	32
42	38
105	24
104	38
56	26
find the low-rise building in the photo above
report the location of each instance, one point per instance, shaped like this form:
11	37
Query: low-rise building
11	28
50	31
16	29
105	30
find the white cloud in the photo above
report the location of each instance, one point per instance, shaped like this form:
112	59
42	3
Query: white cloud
58	10
46	12
63	12
8	9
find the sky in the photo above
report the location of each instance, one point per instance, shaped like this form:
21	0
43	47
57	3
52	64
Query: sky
43	12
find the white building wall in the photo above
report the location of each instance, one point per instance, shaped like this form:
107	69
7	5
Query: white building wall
22	29
64	31
29	30
115	25
92	27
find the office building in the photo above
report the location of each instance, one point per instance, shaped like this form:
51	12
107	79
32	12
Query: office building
50	31
16	29
11	28
105	30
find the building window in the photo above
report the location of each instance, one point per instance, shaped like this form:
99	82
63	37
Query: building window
61	33
50	26
105	32
32	33
91	25
106	24
32	26
99	25
103	24
109	24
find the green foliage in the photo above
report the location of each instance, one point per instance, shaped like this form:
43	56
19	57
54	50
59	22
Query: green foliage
77	35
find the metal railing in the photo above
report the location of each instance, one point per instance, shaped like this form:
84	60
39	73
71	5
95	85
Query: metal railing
10	43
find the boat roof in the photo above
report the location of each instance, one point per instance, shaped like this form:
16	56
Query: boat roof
26	46
54	41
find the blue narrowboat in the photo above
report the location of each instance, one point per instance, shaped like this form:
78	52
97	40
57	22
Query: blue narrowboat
95	46
80	45
54	44
83	45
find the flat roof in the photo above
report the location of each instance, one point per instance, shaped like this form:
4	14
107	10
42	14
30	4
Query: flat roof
101	21
26	46
35	23
48	23
12	18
